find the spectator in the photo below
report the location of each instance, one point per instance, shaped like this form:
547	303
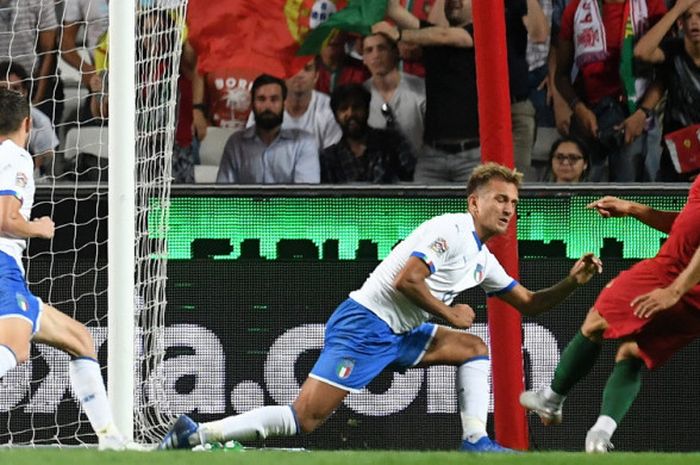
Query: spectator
568	162
28	31
524	20
451	137
42	137
307	109
265	153
681	77
609	115
541	95
336	67
221	98
93	17
364	154
398	99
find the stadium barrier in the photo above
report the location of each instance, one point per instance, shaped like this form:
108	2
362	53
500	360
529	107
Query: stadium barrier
253	274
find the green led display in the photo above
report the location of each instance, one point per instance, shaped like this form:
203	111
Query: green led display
385	221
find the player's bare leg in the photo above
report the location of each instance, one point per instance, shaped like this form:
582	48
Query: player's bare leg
620	392
63	332
577	359
15	334
316	401
470	354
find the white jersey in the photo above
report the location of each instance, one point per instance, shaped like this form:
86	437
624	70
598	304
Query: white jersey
16	179
457	259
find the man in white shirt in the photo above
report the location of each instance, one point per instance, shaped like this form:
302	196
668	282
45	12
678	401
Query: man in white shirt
398	99
308	109
384	323
23	316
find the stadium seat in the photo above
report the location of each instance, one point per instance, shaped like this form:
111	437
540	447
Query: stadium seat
210	151
86	139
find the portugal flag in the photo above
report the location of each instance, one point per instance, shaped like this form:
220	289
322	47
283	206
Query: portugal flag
267	35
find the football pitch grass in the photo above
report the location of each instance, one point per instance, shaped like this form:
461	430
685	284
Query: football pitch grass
54	456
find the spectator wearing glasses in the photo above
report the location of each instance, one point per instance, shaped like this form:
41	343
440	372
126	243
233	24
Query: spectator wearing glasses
364	154
398	99
568	162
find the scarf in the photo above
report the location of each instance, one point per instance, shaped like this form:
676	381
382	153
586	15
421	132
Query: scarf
590	43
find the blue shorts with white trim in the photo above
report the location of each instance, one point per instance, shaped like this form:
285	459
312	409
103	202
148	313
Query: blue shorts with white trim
358	345
16	301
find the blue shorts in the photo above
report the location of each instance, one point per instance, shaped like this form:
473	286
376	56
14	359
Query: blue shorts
358	345
15	299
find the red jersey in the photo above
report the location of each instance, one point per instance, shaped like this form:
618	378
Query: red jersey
602	78
228	96
682	242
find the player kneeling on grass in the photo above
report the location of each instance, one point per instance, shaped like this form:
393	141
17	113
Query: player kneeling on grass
24	317
653	309
385	322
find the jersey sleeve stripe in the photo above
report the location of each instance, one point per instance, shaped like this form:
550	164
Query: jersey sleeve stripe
15	194
504	290
423	257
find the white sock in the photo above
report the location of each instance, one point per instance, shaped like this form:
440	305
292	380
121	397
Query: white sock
473	395
606	424
7	360
89	388
553	397
259	423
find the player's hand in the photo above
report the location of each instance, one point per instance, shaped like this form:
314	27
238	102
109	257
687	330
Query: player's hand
43	227
461	316
585	268
611	207
651	303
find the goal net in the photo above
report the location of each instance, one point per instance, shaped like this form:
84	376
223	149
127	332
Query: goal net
68	84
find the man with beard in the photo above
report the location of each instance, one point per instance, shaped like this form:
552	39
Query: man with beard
265	153
364	154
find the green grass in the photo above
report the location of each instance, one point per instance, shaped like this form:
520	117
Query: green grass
50	456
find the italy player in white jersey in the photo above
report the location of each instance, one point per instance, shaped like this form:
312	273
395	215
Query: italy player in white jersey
23	316
385	324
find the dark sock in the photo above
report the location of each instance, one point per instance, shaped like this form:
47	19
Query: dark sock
576	361
621	389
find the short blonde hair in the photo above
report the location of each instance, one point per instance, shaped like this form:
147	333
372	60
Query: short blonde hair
485	172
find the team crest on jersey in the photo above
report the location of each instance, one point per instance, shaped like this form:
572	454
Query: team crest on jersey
479	273
304	15
22	302
439	246
21	180
345	368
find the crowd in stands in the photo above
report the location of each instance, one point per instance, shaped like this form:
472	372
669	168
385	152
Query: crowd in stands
600	91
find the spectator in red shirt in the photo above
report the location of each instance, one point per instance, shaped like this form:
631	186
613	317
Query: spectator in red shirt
610	108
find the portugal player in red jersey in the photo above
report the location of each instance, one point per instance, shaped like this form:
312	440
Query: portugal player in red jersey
652	309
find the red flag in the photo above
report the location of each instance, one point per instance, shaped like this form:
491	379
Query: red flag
254	34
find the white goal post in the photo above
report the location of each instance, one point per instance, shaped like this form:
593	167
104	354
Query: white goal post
106	182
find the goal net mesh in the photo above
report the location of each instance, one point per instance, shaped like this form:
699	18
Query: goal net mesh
68	84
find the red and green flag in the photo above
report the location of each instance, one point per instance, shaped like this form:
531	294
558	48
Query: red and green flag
272	35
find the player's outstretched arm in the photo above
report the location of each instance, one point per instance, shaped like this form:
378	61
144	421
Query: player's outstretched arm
647	305
612	207
411	283
13	224
533	303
